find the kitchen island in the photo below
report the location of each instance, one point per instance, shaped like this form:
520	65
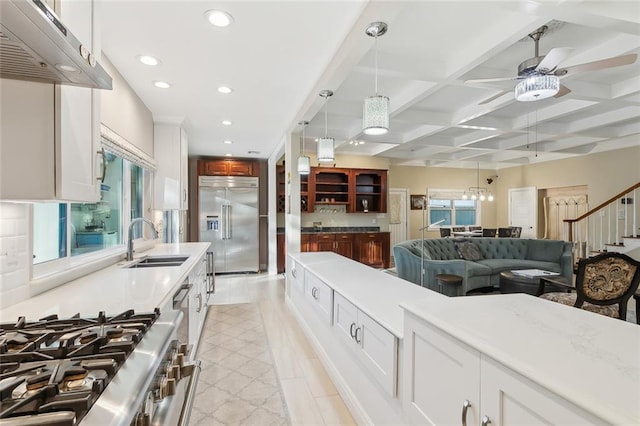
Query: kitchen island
401	355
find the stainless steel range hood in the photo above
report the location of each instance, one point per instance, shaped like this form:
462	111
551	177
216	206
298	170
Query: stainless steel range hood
35	45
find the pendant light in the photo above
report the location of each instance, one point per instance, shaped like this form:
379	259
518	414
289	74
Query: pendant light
375	114
326	145
304	162
478	193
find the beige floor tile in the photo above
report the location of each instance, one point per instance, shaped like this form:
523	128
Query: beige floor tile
317	379
333	411
300	403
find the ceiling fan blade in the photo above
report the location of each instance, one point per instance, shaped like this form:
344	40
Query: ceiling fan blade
616	61
494	97
553	58
489	80
564	90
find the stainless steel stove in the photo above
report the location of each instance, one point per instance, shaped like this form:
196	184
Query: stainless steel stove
125	369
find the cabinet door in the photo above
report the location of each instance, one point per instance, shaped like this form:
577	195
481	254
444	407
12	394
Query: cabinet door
77	137
320	295
373	249
184	171
510	399
323	242
306	243
240	168
440	373
345	319
213	168
295	276
379	350
344	245
167	147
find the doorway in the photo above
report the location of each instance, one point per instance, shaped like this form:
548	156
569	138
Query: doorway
398	219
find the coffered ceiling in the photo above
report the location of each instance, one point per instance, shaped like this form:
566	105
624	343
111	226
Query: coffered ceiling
278	55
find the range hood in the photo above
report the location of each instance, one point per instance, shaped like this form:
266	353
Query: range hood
35	45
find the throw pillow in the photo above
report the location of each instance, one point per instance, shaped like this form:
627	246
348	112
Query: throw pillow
469	251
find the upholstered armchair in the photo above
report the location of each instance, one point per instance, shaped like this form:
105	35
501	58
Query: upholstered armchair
604	284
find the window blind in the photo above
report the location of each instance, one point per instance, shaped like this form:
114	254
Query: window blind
125	149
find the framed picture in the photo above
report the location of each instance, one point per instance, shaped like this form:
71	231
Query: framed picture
417	201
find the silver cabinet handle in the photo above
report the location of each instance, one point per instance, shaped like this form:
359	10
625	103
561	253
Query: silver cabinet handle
294	273
351	332
485	420
356	335
104	165
465	406
314	293
199	296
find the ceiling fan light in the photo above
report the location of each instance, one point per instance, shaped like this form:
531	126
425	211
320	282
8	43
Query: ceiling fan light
375	116
326	150
304	165
537	87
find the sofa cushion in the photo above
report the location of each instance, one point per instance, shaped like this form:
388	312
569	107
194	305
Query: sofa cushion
502	248
416	247
469	251
545	250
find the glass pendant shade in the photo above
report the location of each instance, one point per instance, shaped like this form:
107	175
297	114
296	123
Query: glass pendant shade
537	87
304	165
375	115
326	150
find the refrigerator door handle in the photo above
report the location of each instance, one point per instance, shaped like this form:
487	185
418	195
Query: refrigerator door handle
223	224
228	224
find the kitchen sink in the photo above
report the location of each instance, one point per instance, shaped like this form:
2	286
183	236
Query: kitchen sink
157	261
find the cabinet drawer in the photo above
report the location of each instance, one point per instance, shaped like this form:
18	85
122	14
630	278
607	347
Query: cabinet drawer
320	295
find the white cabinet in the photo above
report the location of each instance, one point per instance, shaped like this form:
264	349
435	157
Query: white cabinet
197	305
171	180
444	375
320	295
295	278
375	347
51	133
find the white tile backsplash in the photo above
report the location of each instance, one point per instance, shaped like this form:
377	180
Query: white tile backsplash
14	256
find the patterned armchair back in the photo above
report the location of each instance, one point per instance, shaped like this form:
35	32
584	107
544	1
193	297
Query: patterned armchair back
607	278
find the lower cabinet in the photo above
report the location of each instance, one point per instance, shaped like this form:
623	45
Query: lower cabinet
375	347
295	280
373	249
197	305
320	295
446	381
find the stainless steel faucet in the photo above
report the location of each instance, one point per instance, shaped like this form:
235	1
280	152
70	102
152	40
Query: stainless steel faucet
130	240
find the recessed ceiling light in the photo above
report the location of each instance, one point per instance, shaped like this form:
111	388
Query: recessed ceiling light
228	155
227	122
148	60
161	84
219	18
225	89
228	142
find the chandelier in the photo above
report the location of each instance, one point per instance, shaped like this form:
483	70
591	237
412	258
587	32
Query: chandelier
478	193
304	162
375	114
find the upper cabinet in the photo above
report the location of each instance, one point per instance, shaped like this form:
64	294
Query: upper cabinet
358	190
222	167
171	179
51	133
370	191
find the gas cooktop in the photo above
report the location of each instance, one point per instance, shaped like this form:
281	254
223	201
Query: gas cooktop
53	370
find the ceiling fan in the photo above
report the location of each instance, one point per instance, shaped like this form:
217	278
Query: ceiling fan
547	65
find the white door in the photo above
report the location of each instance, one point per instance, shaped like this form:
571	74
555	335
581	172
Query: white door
523	210
398	221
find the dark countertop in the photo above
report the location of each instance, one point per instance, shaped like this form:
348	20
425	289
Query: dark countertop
335	229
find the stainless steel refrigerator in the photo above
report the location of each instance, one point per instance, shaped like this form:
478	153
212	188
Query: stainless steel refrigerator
228	216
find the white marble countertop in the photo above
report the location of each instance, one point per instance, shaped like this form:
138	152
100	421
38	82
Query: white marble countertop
374	292
113	289
590	360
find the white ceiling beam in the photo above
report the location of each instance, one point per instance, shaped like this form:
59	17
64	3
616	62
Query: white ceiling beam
604	119
625	88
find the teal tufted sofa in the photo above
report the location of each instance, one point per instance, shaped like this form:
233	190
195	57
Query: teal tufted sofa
498	254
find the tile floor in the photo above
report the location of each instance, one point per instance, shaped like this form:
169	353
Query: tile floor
309	394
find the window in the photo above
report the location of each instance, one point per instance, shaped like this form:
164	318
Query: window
90	227
449	209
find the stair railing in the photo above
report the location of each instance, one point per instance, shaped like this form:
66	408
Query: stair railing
601	225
